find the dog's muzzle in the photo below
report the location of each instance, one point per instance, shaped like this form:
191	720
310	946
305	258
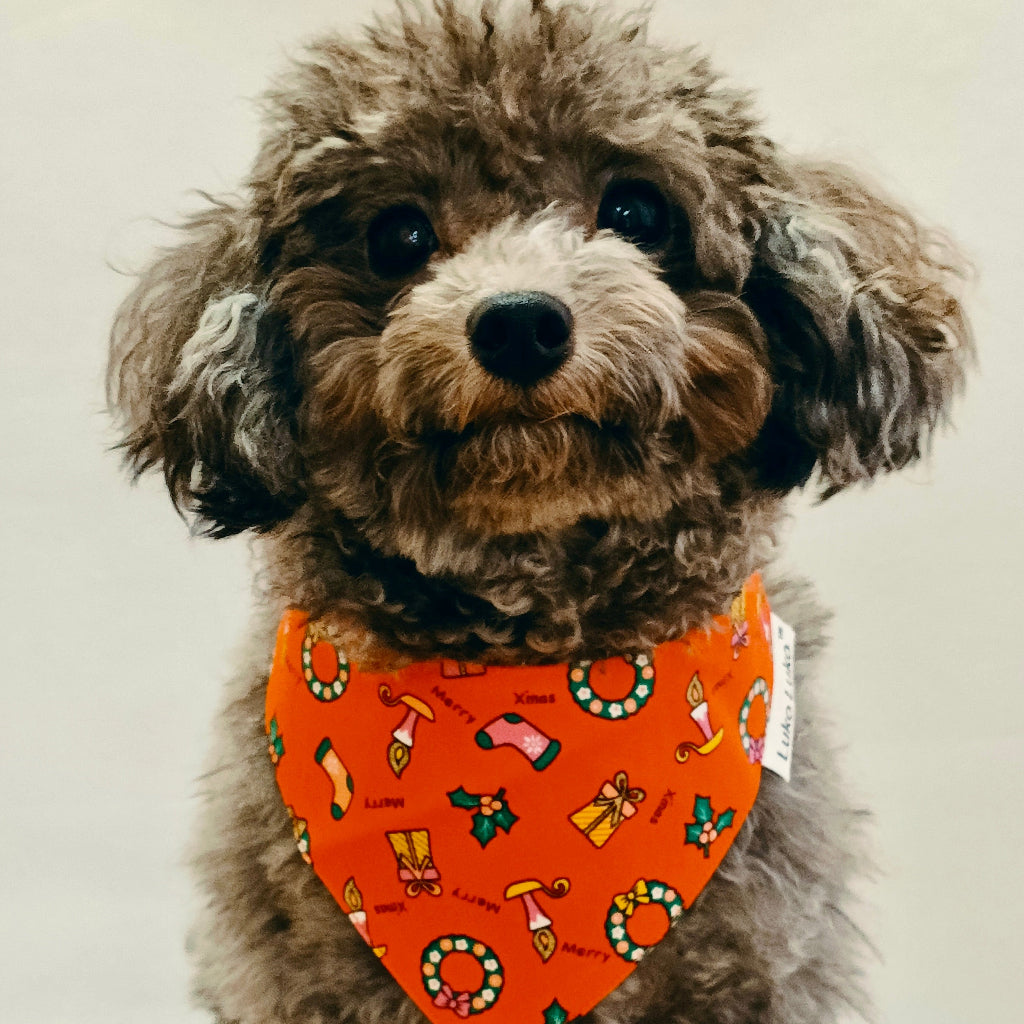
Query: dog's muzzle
520	337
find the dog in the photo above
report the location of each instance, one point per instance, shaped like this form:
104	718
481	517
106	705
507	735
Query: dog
510	354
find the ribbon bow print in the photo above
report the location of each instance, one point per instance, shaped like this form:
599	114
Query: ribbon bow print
419	879
628	902
446	999
618	800
740	638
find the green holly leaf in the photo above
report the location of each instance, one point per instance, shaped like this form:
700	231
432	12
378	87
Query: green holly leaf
504	818
693	833
555	1014
702	809
484	828
725	819
460	798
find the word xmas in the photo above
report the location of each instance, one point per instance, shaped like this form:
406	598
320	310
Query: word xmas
663	806
390	908
535	698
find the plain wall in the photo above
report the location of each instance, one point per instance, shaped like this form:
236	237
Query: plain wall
117	627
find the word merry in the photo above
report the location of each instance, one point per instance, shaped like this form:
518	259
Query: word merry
663	805
384	801
535	698
390	908
476	901
452	705
570	947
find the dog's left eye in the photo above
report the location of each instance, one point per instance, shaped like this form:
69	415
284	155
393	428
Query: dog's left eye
637	211
399	241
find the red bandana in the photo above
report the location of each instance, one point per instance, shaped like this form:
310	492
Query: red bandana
511	841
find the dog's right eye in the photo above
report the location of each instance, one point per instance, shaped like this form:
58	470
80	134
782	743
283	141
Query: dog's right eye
399	241
637	211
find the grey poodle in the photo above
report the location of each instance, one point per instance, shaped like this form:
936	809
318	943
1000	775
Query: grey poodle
510	350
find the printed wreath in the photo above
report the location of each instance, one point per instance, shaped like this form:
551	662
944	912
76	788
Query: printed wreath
645	890
439	990
324	690
643	684
753	747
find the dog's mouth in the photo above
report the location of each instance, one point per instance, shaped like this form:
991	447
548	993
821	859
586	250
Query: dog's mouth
520	451
517	474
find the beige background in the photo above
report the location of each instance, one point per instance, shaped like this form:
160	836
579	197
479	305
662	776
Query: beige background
117	627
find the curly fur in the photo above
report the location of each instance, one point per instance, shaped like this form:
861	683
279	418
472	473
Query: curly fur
793	324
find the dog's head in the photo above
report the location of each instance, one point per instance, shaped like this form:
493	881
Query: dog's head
506	284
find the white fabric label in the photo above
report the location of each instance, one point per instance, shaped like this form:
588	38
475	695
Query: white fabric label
778	737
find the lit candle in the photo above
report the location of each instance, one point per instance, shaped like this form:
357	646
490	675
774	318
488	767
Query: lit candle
700	713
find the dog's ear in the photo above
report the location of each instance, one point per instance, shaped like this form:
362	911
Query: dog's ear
201	377
867	337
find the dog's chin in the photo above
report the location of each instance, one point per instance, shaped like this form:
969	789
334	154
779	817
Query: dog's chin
500	512
520	476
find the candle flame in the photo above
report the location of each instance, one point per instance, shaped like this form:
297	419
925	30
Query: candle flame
695	691
353	897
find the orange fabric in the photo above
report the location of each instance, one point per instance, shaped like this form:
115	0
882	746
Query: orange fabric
511	840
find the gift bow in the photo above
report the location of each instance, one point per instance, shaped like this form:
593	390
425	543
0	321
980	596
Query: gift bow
419	878
446	999
627	902
618	800
740	638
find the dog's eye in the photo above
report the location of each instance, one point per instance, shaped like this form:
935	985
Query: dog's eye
399	241
637	211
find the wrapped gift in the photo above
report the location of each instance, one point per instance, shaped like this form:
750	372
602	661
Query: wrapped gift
614	804
415	862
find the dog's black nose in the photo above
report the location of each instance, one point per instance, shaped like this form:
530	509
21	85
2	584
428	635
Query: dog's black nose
521	337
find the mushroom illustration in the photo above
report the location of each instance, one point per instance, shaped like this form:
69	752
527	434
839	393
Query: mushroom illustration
400	750
699	713
537	921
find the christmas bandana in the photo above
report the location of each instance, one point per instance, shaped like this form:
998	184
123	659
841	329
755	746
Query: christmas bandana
511	841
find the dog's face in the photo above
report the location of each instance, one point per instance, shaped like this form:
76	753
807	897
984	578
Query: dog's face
503	321
504	287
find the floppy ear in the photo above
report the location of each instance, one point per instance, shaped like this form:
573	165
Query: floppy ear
201	378
867	337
